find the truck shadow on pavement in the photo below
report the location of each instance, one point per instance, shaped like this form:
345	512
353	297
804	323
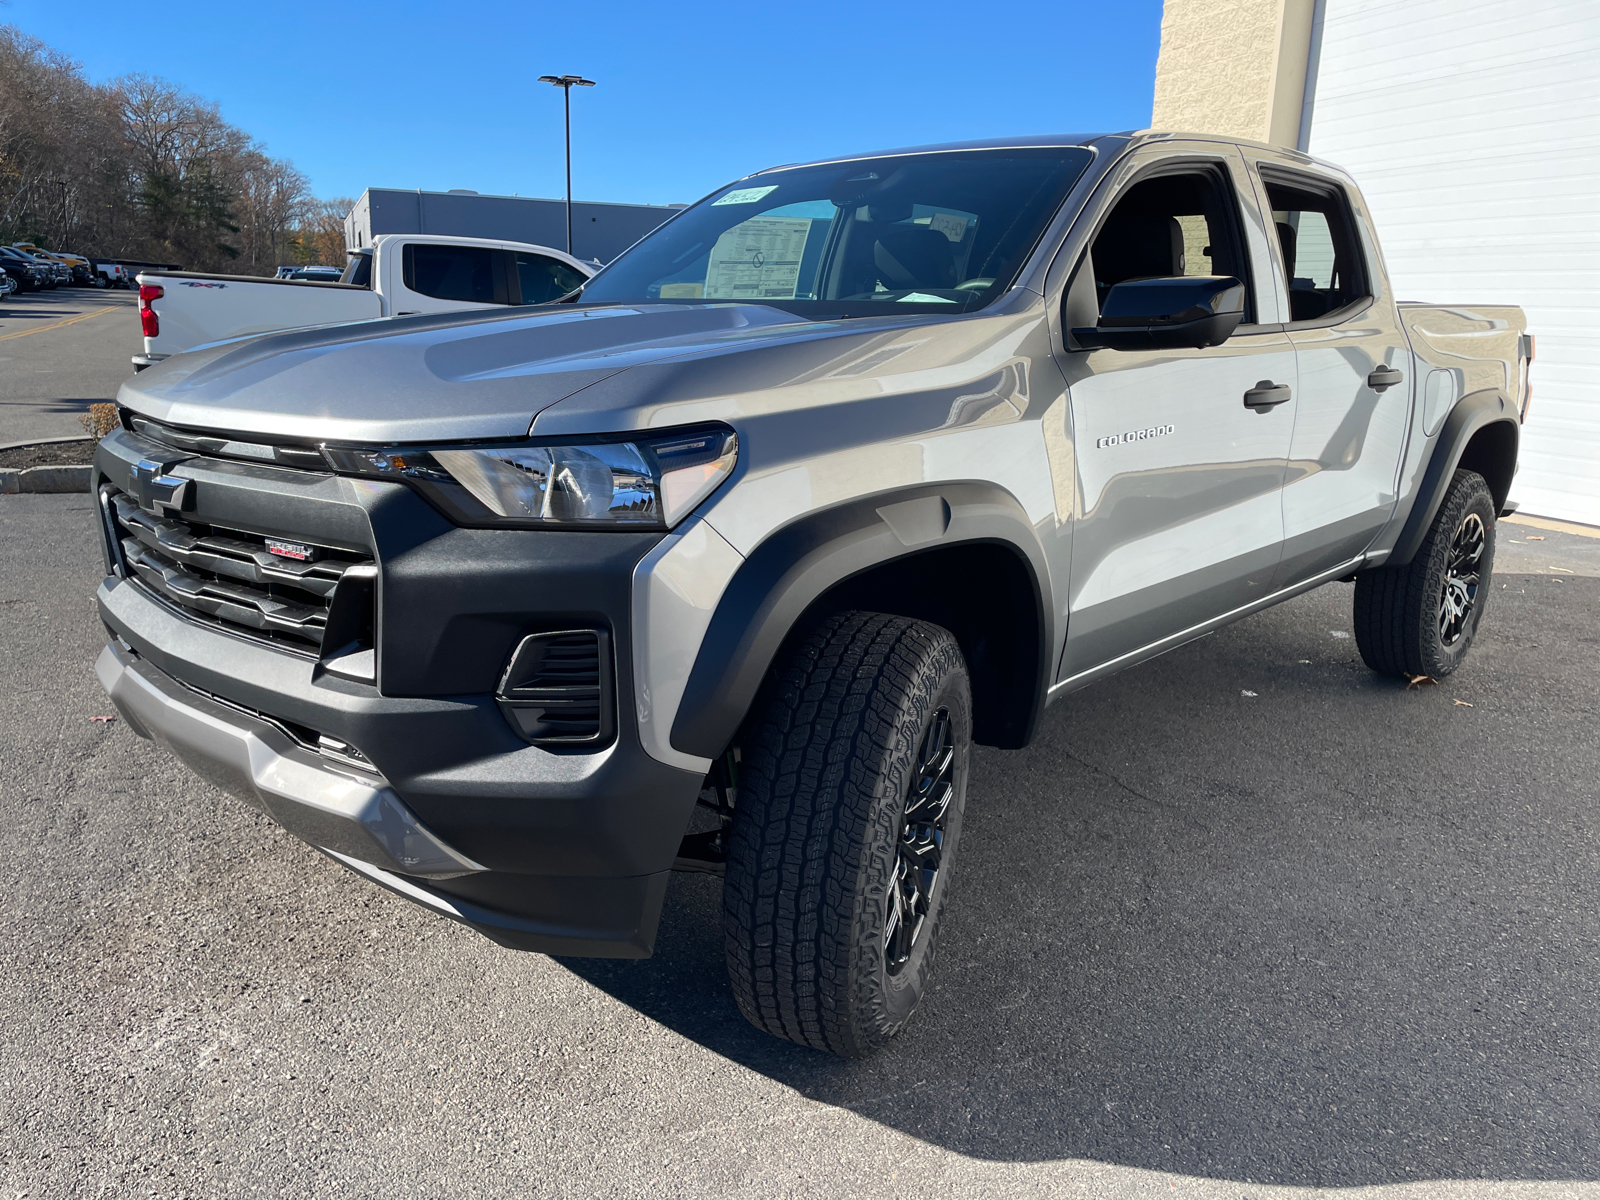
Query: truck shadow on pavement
1249	912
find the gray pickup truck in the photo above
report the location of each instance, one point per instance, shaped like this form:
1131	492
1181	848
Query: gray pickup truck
724	562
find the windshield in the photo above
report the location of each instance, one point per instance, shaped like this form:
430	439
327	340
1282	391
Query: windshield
943	232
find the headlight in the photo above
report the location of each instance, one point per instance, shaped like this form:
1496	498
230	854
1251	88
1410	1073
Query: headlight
646	483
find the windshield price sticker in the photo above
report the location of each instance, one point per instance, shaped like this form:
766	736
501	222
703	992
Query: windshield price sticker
744	195
758	259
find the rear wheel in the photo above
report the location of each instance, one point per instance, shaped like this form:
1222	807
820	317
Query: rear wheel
852	783
1421	618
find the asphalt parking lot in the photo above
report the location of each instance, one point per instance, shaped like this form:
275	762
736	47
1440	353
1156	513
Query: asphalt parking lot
1244	922
60	352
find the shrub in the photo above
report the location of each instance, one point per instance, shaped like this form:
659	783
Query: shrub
100	420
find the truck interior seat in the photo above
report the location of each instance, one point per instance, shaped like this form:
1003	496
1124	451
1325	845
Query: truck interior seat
1137	245
1286	239
914	256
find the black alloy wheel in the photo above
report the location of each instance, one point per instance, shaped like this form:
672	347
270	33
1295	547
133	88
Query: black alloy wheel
920	850
1460	591
1420	617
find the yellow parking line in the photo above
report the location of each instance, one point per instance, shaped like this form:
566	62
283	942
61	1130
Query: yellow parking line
1589	531
6	337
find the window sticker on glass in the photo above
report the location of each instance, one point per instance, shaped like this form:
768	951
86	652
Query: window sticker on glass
949	224
758	259
744	195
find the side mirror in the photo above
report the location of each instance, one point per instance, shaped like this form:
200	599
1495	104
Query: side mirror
1178	313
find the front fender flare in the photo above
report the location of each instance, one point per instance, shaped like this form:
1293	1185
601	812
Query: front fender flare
787	573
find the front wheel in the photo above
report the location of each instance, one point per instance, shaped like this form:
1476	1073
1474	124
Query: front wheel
850	794
1421	618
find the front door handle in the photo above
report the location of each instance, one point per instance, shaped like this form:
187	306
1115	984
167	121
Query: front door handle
1266	394
1383	377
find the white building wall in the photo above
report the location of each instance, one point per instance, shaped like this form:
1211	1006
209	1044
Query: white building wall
1473	127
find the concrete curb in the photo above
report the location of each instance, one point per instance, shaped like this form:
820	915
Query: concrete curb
49	441
45	479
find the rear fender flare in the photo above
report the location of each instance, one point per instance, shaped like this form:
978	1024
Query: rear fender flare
1472	414
784	577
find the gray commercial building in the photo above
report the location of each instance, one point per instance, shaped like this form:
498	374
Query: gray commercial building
599	231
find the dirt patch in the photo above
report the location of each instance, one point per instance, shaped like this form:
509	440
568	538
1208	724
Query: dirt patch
51	454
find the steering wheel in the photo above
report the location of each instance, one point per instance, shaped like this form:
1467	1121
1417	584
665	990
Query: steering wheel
975	285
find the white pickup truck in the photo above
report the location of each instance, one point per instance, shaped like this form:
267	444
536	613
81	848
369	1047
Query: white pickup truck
398	275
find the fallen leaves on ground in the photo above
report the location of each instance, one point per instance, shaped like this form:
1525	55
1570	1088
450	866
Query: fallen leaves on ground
108	720
1463	703
1415	681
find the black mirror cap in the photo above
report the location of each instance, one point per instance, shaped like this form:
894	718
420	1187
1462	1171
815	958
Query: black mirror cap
1167	313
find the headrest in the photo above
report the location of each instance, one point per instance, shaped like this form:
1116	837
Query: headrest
914	256
1138	246
1287	238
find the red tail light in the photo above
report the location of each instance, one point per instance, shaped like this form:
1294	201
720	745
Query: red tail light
149	322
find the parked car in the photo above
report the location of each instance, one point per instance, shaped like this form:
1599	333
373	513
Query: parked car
320	274
398	275
727	562
77	267
112	274
31	274
7	284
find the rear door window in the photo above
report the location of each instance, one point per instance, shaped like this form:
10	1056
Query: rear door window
1322	259
543	279
464	273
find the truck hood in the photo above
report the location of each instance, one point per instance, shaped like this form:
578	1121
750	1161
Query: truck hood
441	377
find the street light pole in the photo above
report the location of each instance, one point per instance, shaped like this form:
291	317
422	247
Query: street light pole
566	83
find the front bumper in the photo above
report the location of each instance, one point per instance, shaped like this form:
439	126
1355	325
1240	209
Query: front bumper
559	851
348	813
361	820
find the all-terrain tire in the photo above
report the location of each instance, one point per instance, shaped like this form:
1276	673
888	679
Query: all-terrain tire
1409	619
833	785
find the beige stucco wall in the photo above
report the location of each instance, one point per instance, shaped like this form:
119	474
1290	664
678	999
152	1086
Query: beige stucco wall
1235	67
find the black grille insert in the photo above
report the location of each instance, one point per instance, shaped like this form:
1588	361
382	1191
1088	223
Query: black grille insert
557	689
245	447
232	578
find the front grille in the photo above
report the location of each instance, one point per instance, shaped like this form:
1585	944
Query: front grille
246	448
230	578
557	688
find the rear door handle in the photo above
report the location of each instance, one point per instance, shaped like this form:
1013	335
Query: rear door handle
1266	394
1383	377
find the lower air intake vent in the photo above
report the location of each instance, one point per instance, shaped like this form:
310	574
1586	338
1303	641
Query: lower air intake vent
557	690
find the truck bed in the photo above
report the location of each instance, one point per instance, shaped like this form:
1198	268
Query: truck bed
1464	348
196	308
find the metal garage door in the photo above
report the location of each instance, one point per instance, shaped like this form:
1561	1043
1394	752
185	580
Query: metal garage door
1473	127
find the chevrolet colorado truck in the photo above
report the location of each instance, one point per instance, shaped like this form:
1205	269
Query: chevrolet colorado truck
398	275
725	563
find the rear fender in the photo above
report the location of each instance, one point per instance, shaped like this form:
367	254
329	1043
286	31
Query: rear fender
1481	434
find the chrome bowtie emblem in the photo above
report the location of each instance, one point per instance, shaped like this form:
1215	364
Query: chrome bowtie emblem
158	492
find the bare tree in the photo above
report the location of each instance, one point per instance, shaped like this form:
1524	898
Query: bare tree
321	236
139	168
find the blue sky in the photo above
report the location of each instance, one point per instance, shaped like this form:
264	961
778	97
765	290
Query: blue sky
690	95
